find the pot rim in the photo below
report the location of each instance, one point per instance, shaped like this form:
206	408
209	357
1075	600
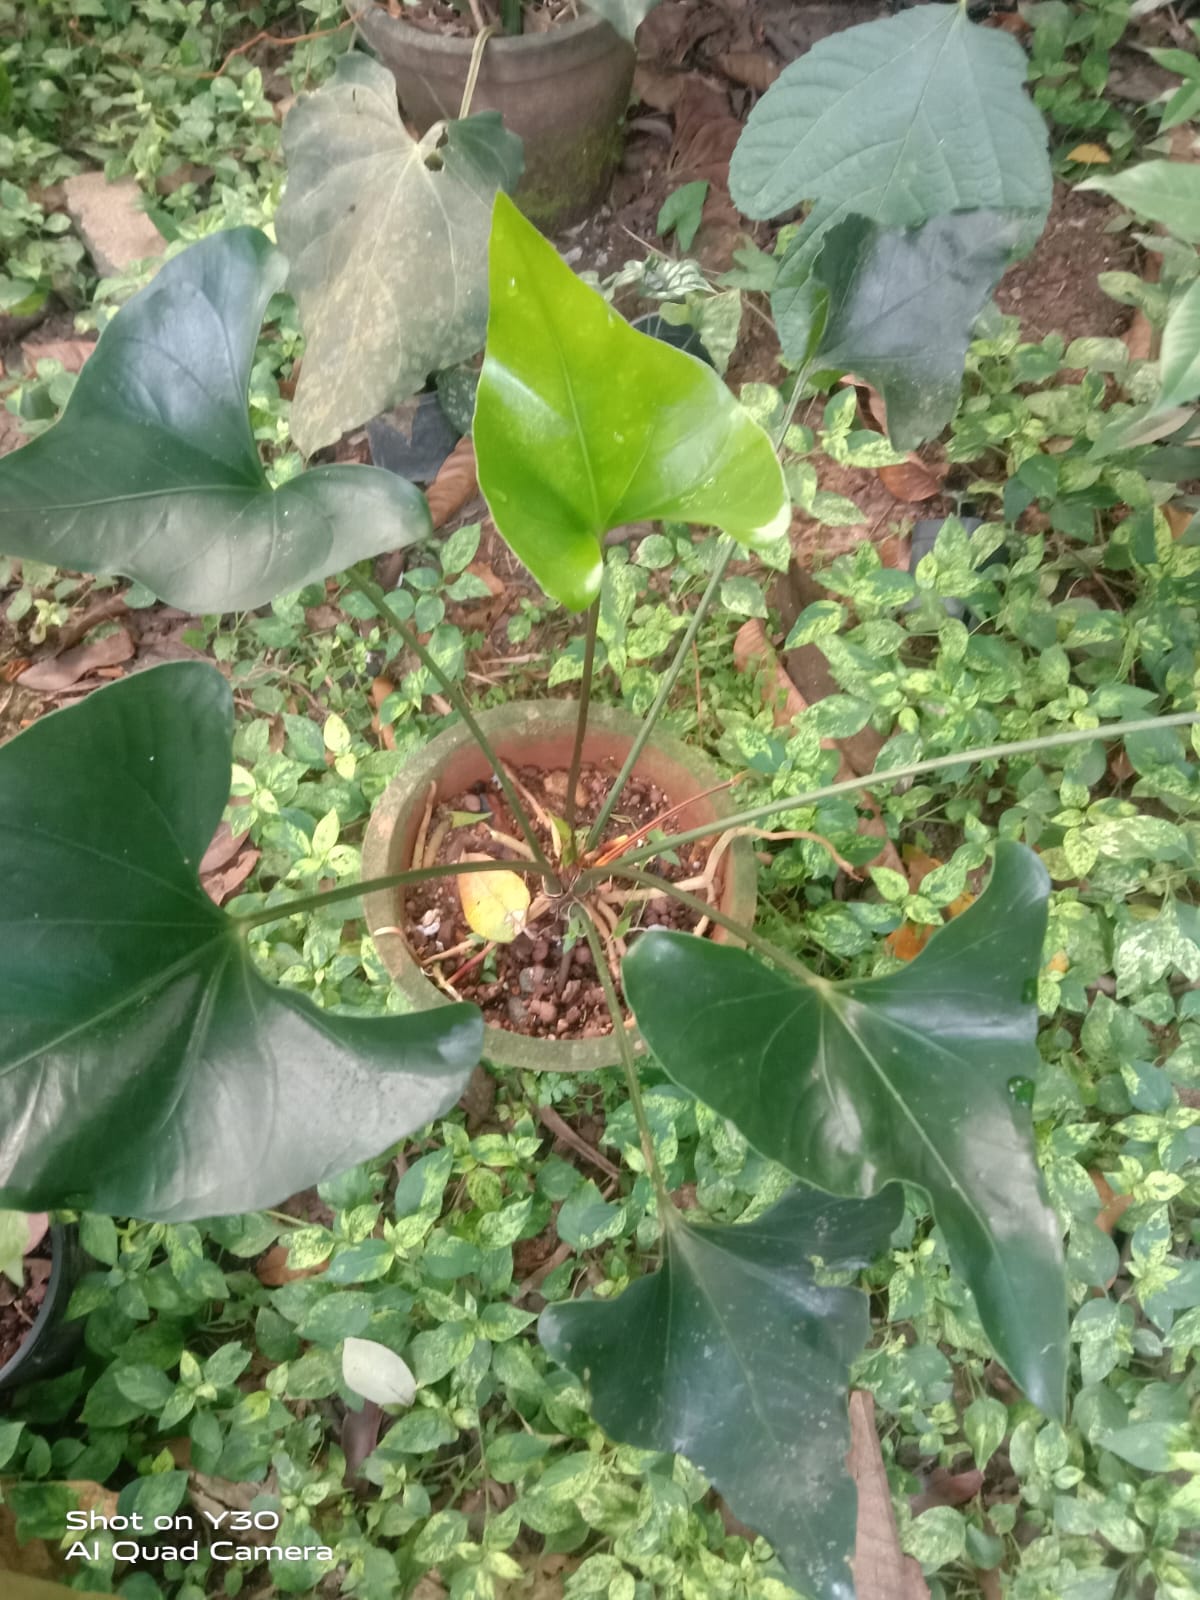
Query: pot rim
48	1308
502	1047
503	44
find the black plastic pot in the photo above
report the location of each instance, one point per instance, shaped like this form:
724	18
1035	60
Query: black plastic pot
51	1343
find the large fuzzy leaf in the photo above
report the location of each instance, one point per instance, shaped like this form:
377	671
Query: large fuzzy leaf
898	120
734	1356
146	1069
583	424
387	241
153	472
918	1076
900	307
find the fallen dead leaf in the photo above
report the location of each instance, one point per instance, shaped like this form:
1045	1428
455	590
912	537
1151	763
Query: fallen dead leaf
72	353
495	904
222	886
749	67
1090	155
1179	519
881	1569
272	1270
380	689
1113	1206
908	940
911	480
456	481
60	672
222	849
542	1579
947	1489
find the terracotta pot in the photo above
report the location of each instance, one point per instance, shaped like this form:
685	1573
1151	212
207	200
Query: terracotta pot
52	1341
537	734
564	91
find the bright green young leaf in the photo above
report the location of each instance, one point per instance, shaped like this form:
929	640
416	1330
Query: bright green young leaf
1160	191
624	15
901	305
734	1356
1180	358
583	424
918	1076
146	1069
898	120
153	471
387	244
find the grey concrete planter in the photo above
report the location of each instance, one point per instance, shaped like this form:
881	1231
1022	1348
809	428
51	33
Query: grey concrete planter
539	734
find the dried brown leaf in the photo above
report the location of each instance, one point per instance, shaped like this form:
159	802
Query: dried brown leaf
881	1569
456	482
71	352
749	67
911	480
222	886
60	672
273	1271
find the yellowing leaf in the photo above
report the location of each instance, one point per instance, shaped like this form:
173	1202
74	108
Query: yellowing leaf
1090	155
495	904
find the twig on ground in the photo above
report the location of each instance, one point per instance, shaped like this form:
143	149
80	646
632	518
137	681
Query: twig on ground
564	1131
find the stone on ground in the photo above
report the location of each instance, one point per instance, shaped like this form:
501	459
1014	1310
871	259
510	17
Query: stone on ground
115	231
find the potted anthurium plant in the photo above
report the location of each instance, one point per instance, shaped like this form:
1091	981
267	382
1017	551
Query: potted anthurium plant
148	1069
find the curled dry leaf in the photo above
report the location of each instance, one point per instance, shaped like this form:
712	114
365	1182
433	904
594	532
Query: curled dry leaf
53	676
495	904
454	485
223	885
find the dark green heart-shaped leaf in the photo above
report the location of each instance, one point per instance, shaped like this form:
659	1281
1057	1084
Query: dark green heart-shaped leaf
146	1069
734	1356
153	471
901	305
583	424
387	243
898	120
917	1076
